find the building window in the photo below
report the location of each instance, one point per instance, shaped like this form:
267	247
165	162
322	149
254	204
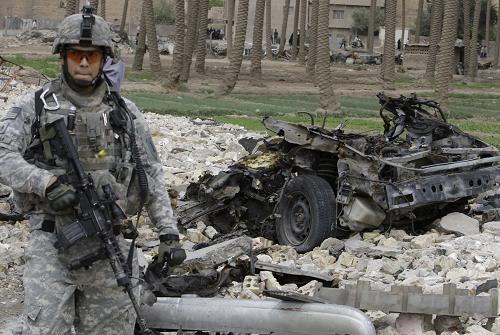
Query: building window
338	14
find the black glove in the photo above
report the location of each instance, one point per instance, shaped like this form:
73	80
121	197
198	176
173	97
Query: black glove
61	196
170	250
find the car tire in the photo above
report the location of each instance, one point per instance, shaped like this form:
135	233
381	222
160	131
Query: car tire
306	213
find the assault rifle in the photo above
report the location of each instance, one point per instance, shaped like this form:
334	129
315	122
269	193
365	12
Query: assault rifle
95	217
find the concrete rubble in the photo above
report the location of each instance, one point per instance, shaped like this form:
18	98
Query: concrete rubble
461	250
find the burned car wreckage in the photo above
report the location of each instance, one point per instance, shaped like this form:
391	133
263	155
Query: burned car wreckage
311	183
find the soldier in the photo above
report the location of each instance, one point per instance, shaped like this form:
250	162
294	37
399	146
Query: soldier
86	300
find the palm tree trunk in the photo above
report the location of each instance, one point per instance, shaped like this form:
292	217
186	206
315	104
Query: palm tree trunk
237	51
140	51
497	44
403	25
256	68
269	31
103	9
70	8
436	26
447	52
371	25
154	54
192	29
313	42
488	20
95	4
303	34
296	13
124	17
467	46
389	45
420	12
201	49
473	41
286	9
327	101
180	28
229	28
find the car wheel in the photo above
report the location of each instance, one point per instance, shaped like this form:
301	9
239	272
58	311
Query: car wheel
306	213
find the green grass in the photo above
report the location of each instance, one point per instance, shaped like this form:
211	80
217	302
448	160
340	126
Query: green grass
478	114
135	76
49	66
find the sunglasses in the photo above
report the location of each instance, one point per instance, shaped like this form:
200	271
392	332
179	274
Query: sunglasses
92	56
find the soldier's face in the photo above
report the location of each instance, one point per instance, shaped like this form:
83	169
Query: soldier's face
84	62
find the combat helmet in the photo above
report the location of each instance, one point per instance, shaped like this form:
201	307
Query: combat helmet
85	29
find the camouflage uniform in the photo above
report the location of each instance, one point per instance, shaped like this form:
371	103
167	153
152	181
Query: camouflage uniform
57	299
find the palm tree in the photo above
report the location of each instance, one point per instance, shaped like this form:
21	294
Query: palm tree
103	9
303	33
154	54
256	68
403	24
389	64
190	40
140	51
444	73
229	28
371	25
488	19
436	26
473	41
327	102
175	73
70	7
420	12
237	52
467	31
95	4
497	45
286	9
124	18
295	39
201	48
313	42
269	32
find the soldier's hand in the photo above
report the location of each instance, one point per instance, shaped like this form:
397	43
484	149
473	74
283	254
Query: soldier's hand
170	250
61	196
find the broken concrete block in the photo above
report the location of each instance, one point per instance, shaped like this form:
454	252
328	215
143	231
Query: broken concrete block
264	258
195	236
200	225
251	283
458	224
268	278
310	288
391	242
333	245
422	241
457	275
407	324
347	260
370	235
217	254
392	267
492	228
248	295
259	243
210	232
388	331
356	247
283	253
478	330
322	258
445	323
399	235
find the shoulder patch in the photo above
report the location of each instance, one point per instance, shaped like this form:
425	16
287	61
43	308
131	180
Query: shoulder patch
12	113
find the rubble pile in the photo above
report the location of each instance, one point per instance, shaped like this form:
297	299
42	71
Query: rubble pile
37	36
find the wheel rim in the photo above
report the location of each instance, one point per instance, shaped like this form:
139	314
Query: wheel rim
298	220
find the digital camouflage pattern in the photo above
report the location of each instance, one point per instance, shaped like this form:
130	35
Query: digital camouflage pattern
69	33
57	300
